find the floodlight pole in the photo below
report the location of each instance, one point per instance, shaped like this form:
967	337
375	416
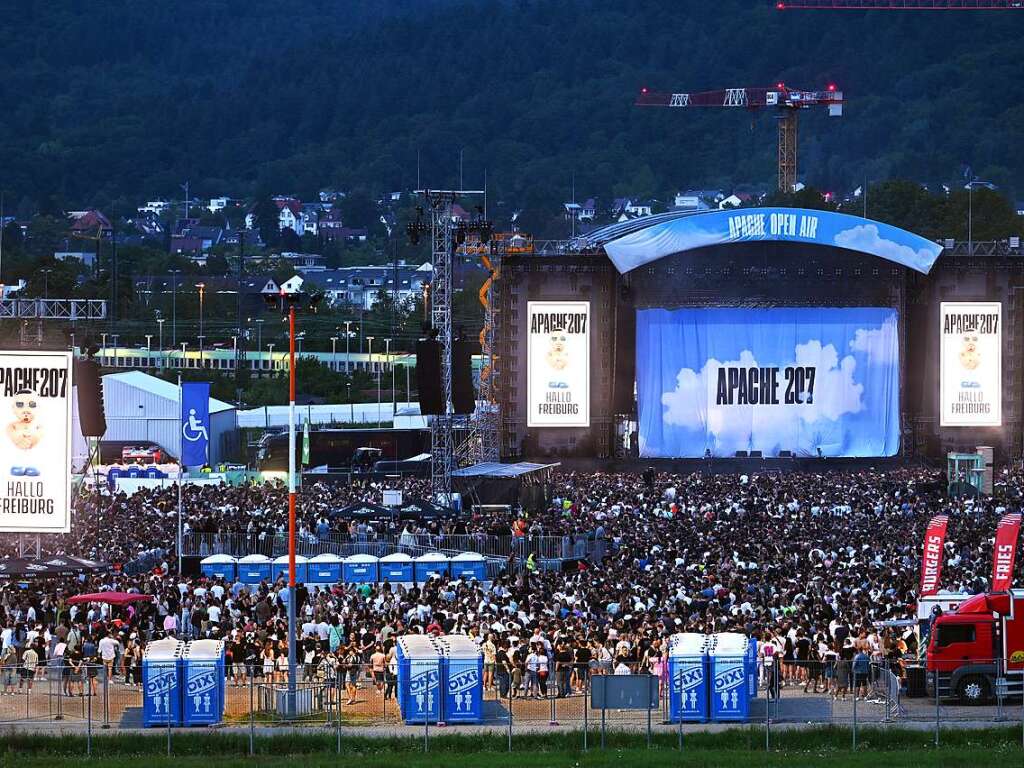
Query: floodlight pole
291	511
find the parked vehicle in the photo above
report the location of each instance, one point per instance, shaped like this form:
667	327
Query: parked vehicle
979	644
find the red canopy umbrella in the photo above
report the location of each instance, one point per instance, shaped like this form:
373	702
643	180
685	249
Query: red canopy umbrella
114	598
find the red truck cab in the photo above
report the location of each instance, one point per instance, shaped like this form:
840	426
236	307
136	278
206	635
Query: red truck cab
978	644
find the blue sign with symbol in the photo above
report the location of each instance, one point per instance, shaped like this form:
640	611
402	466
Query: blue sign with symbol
195	423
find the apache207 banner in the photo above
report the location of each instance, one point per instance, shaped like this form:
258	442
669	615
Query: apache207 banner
814	381
35	457
558	363
970	362
1005	551
931	557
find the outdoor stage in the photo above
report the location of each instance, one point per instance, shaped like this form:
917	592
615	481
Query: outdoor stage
664	298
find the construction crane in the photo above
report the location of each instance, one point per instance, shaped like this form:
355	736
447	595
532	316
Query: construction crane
901	5
787	101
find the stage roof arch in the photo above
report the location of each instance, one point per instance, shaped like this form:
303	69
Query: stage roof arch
637	242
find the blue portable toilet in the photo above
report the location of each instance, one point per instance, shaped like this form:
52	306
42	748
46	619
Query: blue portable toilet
281	568
431	564
688	678
469	565
397	568
729	659
161	683
324	569
462	675
360	569
252	569
419	679
219	567
203	678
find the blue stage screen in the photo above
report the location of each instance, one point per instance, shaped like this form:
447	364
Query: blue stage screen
814	381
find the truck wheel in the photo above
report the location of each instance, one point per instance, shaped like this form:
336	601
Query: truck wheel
972	690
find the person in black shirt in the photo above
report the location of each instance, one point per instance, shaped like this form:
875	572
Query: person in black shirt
563	668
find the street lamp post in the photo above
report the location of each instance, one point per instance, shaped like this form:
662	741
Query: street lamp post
183	345
270	354
149	343
369	350
259	340
202	295
160	325
348	337
174	306
334	353
104	341
387	358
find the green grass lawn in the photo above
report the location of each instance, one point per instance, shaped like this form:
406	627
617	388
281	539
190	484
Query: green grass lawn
743	748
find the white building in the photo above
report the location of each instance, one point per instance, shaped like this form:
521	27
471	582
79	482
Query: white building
143	409
155	207
218	204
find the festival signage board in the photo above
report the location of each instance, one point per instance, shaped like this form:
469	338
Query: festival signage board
970	364
35	447
558	363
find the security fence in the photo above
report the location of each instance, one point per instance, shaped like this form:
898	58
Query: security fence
515	701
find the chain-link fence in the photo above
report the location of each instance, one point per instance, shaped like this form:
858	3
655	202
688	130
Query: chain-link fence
518	700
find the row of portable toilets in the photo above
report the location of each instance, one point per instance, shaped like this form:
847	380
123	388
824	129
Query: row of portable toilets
711	677
355	569
440	679
183	683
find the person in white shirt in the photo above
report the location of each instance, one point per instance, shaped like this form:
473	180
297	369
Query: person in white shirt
108	653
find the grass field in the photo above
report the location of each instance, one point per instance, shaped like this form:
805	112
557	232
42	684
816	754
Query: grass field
742	748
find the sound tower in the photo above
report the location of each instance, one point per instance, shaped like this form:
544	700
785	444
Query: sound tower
91	416
428	377
463	393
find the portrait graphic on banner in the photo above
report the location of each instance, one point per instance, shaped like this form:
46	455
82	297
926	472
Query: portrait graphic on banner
815	381
35	457
195	423
970	364
558	363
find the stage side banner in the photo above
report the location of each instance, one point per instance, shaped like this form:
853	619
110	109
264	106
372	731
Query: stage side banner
793	225
970	364
35	448
558	363
815	381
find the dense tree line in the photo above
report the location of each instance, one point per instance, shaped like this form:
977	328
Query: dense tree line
107	103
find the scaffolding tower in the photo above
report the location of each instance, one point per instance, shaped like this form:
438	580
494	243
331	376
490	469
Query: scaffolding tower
444	456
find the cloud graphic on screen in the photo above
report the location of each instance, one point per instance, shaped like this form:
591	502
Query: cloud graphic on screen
879	344
865	238
836	394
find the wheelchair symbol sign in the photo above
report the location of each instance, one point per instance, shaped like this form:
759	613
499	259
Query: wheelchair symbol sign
193	429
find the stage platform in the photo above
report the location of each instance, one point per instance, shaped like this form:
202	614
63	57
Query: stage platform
736	466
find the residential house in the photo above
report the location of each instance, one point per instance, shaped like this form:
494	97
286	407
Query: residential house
689	202
303	262
624	208
155	207
310	217
289	215
362	286
735	200
218	204
90	224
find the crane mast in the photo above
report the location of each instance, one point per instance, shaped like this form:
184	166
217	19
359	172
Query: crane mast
787	101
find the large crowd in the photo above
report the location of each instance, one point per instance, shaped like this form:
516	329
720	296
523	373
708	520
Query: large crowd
813	565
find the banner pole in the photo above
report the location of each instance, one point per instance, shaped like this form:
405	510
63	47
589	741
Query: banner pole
181	472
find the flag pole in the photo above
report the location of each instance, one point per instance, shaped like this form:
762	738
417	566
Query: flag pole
181	472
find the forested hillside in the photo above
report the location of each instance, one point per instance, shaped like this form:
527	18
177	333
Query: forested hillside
109	101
